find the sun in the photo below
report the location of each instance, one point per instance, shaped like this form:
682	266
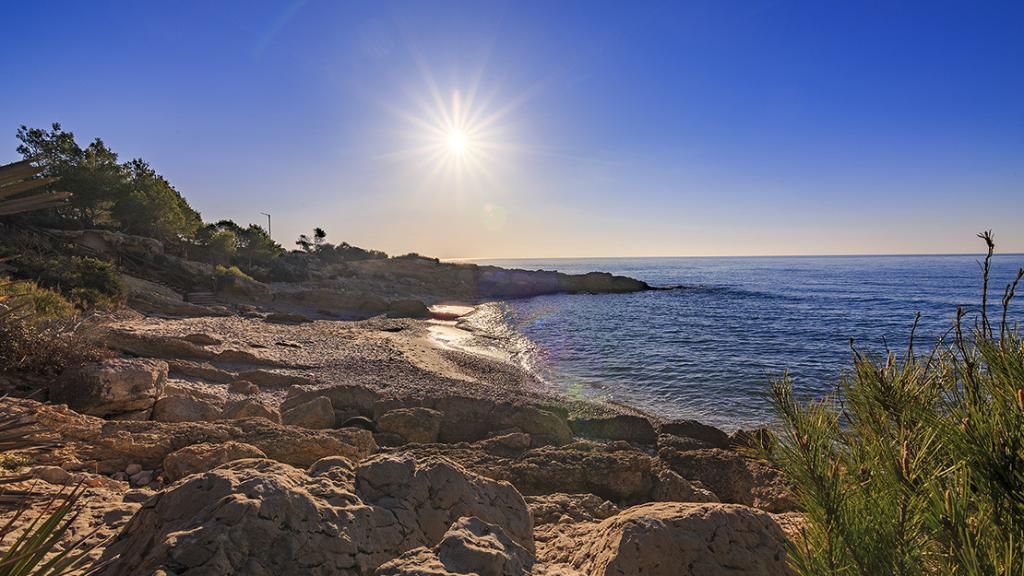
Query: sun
457	141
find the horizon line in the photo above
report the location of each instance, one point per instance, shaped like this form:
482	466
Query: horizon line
851	255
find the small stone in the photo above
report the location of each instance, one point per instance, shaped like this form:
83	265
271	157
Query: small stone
136	495
142	478
52	474
132	469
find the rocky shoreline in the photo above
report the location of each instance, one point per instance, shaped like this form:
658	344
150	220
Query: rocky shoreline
234	437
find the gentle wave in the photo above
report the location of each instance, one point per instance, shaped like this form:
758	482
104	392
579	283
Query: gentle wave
709	348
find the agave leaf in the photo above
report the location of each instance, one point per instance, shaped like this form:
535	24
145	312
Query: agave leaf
16	171
9	190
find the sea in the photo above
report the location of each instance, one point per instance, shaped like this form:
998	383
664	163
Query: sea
709	349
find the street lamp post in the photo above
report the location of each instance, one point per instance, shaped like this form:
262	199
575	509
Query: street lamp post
270	231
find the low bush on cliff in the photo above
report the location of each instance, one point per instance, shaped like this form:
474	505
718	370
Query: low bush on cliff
39	332
916	464
87	282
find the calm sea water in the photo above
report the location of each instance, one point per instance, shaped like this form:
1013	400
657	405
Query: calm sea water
708	351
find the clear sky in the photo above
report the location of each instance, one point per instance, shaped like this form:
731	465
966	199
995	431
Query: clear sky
545	129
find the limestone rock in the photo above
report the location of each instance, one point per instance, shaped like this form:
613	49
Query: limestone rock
110	387
250	408
415	425
268	379
108	446
347	400
622	476
709	435
200	370
149	345
626	427
186	407
243	387
202	339
466	419
470	547
263	517
316	414
734	478
204	457
677	539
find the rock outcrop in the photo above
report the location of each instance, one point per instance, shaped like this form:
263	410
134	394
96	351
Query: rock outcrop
628	427
732	477
182	404
108	446
415	425
471	547
682	539
250	408
263	517
626	476
112	387
710	436
317	413
205	457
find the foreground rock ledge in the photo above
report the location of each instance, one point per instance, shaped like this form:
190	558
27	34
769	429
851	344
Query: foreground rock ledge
677	539
260	517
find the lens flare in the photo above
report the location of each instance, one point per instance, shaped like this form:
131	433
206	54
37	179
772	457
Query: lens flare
457	141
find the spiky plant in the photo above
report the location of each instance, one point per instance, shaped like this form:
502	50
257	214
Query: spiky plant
20	191
34	551
915	465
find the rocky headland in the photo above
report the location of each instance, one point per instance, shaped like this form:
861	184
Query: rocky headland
321	427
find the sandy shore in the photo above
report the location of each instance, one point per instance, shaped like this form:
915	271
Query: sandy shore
398	358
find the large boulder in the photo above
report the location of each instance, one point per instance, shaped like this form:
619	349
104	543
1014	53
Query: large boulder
415	425
204	457
317	414
471	547
628	427
682	539
184	404
263	517
110	387
709	435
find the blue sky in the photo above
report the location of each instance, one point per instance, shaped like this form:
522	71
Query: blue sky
596	129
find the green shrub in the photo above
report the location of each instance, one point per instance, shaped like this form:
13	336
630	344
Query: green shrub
86	281
44	303
916	464
235	272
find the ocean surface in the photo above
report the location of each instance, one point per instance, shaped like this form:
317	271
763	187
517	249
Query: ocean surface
709	350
